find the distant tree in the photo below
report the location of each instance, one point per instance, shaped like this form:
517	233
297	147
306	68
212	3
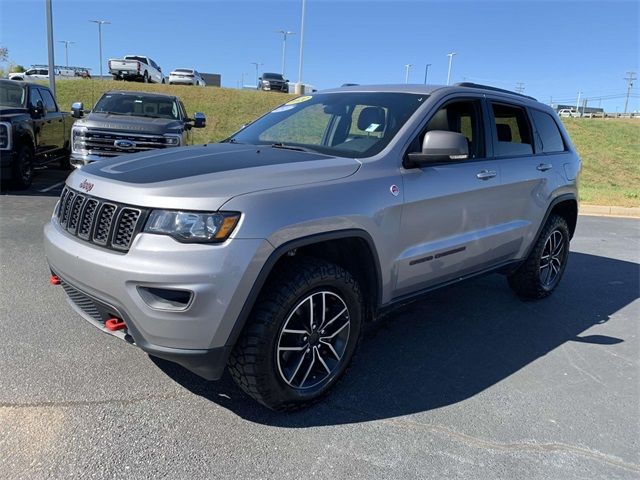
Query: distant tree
16	69
4	54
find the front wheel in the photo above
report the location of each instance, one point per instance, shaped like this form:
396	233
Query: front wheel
301	335
145	78
541	272
22	174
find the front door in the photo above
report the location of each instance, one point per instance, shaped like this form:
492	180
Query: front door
452	220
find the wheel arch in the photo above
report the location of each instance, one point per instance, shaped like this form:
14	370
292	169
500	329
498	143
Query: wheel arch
360	259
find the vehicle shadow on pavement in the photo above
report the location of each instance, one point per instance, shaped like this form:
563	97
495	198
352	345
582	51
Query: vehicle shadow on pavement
451	346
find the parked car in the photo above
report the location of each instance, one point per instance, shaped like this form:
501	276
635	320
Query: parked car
126	122
274	82
136	67
186	76
268	253
566	112
33	130
41	72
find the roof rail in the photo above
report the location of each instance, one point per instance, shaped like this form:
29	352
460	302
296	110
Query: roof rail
494	89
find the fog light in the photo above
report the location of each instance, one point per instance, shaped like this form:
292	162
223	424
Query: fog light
166	298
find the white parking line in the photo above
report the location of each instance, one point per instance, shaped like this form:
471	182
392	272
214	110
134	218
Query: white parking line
51	187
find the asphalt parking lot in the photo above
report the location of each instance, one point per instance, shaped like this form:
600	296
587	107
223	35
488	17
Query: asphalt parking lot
469	383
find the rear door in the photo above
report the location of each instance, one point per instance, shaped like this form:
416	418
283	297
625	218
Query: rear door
452	220
527	174
530	173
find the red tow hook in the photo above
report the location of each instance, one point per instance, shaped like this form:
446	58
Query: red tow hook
114	324
54	280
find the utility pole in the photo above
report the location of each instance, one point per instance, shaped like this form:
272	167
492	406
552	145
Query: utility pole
66	50
299	88
257	64
450	55
242	81
284	33
426	71
407	68
631	76
578	102
519	87
52	73
100	23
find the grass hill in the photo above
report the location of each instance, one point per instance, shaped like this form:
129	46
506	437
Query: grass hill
610	148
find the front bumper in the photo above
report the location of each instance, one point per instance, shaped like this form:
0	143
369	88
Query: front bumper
219	277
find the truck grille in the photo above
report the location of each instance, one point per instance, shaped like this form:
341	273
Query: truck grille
106	143
101	222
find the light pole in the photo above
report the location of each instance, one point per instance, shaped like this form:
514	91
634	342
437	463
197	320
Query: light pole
426	71
299	86
284	33
578	102
52	73
66	50
406	74
100	23
450	55
257	64
242	81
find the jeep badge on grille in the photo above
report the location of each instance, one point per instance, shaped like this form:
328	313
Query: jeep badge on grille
86	185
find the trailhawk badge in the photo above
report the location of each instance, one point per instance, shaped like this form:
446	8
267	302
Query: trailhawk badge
86	185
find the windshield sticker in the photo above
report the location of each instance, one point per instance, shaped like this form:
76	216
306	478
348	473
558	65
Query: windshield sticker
299	100
372	127
283	108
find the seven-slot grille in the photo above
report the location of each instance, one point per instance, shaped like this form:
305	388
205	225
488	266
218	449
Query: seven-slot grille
102	222
103	142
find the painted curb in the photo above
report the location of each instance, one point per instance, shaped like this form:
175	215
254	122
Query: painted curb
610	211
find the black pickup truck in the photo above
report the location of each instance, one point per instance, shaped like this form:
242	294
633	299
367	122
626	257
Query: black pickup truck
33	130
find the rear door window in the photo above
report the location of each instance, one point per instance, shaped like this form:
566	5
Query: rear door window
512	131
548	131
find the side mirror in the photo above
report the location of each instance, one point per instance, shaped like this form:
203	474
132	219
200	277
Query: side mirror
287	81
259	78
38	110
199	120
439	146
77	110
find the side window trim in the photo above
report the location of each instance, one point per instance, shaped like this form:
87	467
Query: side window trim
494	132
43	93
456	97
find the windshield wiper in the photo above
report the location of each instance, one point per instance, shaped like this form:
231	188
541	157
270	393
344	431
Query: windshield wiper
289	147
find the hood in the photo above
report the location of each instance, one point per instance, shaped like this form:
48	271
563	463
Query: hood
205	177
7	113
131	124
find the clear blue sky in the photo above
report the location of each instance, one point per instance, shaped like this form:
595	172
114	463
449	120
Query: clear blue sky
554	48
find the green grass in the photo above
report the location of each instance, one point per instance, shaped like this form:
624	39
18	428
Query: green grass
610	148
226	109
610	152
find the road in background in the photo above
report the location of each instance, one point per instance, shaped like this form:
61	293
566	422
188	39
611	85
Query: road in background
469	383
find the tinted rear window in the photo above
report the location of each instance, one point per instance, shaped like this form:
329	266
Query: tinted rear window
549	133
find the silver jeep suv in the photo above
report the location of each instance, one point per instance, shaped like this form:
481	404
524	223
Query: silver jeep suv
267	253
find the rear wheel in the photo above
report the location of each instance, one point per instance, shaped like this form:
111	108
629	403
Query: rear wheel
301	335
541	272
22	174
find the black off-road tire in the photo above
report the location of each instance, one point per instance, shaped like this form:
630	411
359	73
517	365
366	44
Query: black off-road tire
253	363
526	281
23	168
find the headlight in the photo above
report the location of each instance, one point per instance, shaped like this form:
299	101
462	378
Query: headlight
192	227
172	139
77	140
5	136
265	82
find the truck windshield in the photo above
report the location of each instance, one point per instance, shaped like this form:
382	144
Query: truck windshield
272	76
137	105
12	94
348	124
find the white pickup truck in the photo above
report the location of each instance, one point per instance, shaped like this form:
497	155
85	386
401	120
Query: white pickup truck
136	67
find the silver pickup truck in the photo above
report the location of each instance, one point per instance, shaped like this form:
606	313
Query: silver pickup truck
127	122
269	252
136	67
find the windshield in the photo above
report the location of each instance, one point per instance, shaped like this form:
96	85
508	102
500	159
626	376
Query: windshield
12	95
137	105
273	76
347	124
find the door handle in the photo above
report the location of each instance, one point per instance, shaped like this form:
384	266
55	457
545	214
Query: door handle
485	175
543	167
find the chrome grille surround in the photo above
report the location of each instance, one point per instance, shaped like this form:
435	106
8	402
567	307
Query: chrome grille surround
100	222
